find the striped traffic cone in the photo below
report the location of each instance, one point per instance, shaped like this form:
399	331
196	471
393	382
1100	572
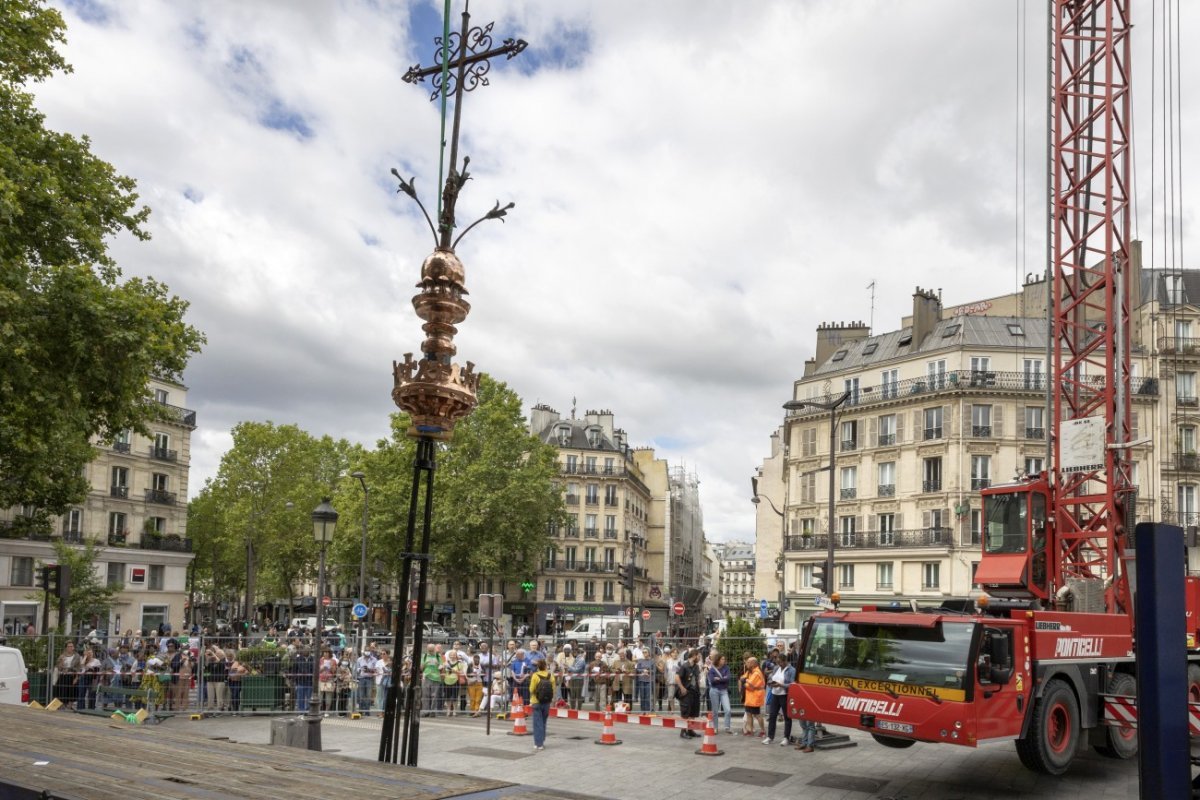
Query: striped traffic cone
608	735
709	746
518	715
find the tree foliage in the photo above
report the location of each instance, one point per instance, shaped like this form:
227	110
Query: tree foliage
77	343
91	597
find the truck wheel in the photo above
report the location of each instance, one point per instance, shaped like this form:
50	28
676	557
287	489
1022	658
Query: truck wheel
893	741
1120	742
1193	679
1053	733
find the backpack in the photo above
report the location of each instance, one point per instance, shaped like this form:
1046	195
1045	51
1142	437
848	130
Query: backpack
544	692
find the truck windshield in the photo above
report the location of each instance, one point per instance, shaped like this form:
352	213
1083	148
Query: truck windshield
1004	515
938	657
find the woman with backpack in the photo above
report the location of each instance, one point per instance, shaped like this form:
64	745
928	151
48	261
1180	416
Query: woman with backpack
541	692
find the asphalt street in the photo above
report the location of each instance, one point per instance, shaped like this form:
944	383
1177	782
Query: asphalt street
653	763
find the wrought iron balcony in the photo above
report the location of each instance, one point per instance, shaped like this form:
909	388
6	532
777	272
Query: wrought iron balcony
120	447
863	540
184	416
849	444
119	491
72	537
160	496
1035	433
163	454
117	538
592	500
610	533
981	431
1183	462
165	543
886	490
980	483
933	433
931	486
571	499
1187	400
849	494
1179	345
571	533
591	533
887	439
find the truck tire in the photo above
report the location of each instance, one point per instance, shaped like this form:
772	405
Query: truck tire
893	741
1053	735
1193	679
1120	742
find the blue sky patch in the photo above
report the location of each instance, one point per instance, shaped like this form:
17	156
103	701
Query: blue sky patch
92	12
193	194
277	116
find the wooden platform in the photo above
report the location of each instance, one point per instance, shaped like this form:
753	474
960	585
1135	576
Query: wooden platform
94	759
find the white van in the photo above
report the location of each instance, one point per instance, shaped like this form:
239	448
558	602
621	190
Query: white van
14	680
309	622
604	628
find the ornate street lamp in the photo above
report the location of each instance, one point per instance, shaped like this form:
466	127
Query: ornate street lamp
324	519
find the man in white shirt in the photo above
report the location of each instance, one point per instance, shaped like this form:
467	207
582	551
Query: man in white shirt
366	666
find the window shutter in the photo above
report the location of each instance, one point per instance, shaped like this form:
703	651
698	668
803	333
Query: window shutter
898	524
872	435
1133	425
925	519
918	424
899	428
998	421
948	420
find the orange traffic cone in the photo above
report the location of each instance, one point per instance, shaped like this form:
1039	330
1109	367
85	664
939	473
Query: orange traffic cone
709	746
518	715
608	735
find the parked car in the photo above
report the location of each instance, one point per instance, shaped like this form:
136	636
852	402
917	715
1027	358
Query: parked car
14	680
434	632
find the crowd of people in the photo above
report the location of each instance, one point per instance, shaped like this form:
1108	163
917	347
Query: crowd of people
174	672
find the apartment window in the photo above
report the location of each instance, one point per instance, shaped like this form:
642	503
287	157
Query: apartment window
609	594
980	365
119	485
931	474
593	494
1185	388
806	576
850	385
572	463
589	557
589	590
1034	369
157	524
933	423
849	482
589	528
849	435
889	383
610	558
610	466
572	494
550	560
936	523
808	526
808	442
976	526
569	589
1033	465
1035	422
158	482
1185	495
570	556
1183	332
931	575
116	524
883	575
589	465
936	372
162	445
20	571
610	495
156	577
1174	288
550	589
121	442
154	616
848	529
1187	439
610	526
981	472
161	396
846	576
981	421
887	529
116	574
887	479
808	488
73	521
887	430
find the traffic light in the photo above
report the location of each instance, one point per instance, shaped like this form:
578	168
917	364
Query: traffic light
63	579
622	574
820	575
527	586
49	580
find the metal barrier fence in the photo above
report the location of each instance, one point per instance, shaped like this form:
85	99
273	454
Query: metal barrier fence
184	674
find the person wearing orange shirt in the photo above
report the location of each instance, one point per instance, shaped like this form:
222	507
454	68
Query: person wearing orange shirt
754	697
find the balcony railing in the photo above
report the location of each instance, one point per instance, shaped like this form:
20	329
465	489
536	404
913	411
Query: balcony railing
849	444
592	500
160	496
163	454
886	490
1186	400
933	433
1184	462
72	537
1035	433
849	494
611	502
610	533
887	439
931	486
120	447
119	491
955	381
922	537
1179	345
980	483
165	543
184	416
981	431
571	533
117	538
571	499
591	533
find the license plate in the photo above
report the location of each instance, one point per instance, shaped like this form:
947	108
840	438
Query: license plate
896	727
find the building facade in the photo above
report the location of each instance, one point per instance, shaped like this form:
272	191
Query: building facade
767	493
136	512
739	599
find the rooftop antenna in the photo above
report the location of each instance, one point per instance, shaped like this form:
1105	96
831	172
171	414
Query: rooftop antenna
871	326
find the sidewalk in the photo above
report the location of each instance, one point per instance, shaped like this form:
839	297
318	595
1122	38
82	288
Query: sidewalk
656	763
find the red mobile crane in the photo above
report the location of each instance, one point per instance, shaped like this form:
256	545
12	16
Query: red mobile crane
1057	629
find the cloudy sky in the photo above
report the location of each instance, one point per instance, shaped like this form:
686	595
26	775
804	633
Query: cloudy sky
698	185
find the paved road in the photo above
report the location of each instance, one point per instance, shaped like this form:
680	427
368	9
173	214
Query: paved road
655	764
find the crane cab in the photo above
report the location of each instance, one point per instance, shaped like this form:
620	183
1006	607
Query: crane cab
1017	535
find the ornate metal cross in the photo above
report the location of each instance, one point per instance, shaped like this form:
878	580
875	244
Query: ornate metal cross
462	63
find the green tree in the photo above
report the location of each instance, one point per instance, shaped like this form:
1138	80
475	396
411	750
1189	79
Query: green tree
91	597
77	344
494	497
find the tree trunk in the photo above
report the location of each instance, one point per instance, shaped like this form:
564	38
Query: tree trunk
250	612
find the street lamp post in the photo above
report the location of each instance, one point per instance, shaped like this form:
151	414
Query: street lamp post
324	519
796	405
362	564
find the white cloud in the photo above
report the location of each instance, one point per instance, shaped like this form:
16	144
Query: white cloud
698	186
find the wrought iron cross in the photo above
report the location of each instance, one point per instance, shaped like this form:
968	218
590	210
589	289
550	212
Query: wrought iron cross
462	63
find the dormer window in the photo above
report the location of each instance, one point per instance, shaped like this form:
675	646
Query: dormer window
870	348
1015	329
905	339
839	355
951	330
563	434
593	437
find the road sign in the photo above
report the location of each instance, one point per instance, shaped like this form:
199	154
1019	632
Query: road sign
629	611
326	600
359	610
412	606
678	609
762	608
646	614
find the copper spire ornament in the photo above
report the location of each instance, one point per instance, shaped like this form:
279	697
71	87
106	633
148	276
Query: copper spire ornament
434	391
